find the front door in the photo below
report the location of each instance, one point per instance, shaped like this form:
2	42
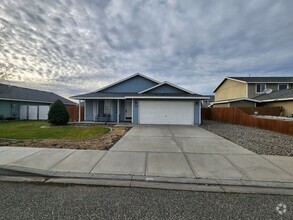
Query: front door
128	110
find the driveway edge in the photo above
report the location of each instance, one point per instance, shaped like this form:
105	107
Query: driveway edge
17	174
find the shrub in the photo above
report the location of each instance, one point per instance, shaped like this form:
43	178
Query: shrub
58	114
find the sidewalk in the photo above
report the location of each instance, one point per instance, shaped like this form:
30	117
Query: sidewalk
158	157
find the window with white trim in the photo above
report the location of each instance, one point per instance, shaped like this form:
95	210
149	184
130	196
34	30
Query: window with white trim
259	88
283	86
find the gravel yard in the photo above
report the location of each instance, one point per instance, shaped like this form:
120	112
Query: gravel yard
254	139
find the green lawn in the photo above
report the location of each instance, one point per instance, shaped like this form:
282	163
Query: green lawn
33	130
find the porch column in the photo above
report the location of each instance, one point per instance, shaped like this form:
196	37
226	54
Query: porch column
79	111
118	110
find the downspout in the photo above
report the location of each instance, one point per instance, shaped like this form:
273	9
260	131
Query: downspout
79	111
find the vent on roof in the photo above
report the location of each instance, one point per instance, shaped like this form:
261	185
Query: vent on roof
267	91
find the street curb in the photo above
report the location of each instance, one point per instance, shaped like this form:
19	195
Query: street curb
21	174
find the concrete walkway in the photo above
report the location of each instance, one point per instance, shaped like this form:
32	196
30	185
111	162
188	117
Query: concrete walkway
169	153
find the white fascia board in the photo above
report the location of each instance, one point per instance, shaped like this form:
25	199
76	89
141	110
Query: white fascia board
270	82
127	78
236	100
246	87
275	100
166	97
151	88
237	80
224	81
166	83
88	98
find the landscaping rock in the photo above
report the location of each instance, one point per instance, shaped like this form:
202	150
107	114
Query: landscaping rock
254	139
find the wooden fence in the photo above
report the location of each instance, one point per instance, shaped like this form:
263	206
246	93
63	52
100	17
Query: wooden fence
73	112
234	115
274	111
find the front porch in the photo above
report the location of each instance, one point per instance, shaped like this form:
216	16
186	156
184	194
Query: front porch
108	110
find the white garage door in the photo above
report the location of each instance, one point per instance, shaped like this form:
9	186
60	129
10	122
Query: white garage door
166	112
43	112
32	112
23	112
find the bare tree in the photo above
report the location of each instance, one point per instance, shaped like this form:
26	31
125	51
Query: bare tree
6	69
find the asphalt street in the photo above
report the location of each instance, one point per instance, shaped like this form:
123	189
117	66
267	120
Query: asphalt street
41	201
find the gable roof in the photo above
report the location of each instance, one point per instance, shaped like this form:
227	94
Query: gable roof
264	79
125	79
8	92
285	94
166	83
126	90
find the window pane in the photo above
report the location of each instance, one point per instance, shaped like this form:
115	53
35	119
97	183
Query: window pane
260	87
282	86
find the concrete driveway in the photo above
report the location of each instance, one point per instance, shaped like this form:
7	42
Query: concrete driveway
188	151
158	151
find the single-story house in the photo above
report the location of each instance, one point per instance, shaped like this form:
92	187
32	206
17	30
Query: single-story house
240	102
141	100
23	103
278	98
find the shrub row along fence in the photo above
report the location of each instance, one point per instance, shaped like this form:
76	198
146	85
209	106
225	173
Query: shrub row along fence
237	116
73	112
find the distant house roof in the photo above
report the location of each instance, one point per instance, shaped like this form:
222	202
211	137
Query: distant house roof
269	79
8	92
263	79
285	94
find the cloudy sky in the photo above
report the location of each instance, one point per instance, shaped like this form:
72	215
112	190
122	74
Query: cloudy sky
71	47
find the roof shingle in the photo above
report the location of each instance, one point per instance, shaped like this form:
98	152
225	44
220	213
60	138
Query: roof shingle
9	92
278	94
268	79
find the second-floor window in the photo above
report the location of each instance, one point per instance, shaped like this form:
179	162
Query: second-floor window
283	86
260	88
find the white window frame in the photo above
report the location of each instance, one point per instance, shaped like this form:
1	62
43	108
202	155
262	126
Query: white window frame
283	84
260	84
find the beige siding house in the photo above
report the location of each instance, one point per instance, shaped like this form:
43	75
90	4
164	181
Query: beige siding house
242	91
231	89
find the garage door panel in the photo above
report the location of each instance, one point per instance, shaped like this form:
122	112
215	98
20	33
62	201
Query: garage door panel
166	112
32	112
43	112
23	112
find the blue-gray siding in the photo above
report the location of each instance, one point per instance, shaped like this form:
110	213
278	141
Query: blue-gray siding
122	110
166	89
135	84
89	110
113	116
135	111
197	112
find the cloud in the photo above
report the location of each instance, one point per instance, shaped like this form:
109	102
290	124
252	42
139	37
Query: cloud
75	46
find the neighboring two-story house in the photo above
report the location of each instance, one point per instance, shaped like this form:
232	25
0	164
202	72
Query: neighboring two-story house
242	91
